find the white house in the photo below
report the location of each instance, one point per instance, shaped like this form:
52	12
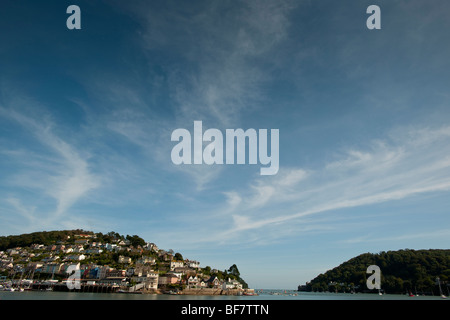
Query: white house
123	259
193	281
13	251
151	246
149	279
110	246
179	275
77	257
68	250
124	242
176	264
193	264
145	259
231	284
78	249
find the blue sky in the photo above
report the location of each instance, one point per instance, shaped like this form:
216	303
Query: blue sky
86	118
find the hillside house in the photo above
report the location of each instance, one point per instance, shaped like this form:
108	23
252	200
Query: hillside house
166	279
231	284
213	282
148	278
176	264
123	259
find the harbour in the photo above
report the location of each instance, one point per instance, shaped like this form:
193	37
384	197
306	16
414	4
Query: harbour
289	295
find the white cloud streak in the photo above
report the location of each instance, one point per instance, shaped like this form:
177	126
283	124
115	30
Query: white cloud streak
59	170
213	77
219	44
409	163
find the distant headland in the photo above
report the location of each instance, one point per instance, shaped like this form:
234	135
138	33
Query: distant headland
424	272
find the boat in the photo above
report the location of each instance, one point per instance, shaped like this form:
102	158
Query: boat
172	292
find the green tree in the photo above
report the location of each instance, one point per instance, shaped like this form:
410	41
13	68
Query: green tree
207	270
178	256
234	270
136	240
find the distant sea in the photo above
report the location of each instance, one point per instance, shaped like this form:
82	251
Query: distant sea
264	295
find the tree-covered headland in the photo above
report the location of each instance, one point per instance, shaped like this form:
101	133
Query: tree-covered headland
402	271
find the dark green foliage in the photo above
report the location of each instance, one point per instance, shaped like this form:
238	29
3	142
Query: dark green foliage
178	256
401	271
109	237
43	237
234	270
136	240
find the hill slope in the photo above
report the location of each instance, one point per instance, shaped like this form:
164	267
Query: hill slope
43	237
135	249
401	271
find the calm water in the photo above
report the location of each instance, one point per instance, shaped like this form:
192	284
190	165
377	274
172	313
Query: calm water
265	295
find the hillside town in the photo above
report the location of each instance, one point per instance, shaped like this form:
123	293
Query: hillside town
118	265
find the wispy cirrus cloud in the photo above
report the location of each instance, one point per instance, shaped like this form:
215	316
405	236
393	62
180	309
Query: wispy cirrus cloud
53	168
215	73
409	163
216	47
439	233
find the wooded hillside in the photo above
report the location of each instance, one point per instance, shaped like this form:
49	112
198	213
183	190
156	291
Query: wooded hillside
401	271
42	237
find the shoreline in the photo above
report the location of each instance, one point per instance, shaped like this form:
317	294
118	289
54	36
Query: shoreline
97	288
305	296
